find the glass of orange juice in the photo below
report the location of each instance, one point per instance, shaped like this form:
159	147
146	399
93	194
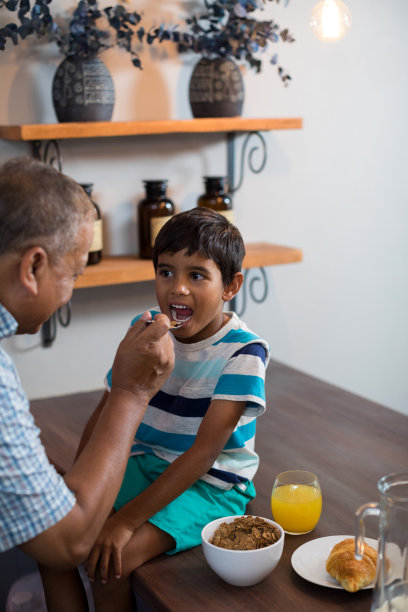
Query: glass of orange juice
296	501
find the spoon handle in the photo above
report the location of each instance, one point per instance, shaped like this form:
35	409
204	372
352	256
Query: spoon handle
173	324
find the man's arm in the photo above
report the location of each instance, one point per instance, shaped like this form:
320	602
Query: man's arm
214	432
143	361
91	424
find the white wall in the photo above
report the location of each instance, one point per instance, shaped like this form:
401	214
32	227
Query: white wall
337	189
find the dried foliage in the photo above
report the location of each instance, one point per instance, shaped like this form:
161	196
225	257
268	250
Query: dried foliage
227	29
88	32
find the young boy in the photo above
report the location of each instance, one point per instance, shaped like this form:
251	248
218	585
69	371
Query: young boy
193	457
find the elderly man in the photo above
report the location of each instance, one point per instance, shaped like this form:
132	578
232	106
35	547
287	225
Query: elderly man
45	233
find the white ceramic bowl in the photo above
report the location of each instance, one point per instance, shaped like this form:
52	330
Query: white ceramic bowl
241	567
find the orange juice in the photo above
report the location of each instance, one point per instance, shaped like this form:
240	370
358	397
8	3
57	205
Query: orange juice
297	507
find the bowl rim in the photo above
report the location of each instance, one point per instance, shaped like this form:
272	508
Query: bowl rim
223	519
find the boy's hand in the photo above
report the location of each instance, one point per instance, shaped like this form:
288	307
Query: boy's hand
145	357
113	538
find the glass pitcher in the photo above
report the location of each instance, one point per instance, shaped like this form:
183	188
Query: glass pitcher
391	584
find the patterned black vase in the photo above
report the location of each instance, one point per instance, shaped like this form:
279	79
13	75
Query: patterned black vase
216	88
82	90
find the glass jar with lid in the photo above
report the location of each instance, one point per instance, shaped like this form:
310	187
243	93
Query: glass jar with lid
95	251
153	212
216	196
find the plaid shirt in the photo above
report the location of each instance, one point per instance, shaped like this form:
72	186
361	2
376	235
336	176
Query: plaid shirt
33	496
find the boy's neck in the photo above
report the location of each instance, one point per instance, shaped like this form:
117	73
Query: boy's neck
225	318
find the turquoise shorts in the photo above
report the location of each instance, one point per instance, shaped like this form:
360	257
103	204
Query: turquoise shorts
184	517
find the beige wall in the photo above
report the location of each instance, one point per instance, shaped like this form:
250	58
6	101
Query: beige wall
337	189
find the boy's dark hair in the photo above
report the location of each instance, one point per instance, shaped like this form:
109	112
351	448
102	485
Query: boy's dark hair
207	232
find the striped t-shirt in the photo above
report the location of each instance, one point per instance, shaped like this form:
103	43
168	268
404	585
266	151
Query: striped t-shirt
230	365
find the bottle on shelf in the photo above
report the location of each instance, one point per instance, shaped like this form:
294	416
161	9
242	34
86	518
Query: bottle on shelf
153	212
95	251
216	196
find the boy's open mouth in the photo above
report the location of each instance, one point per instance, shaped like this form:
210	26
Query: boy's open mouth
180	313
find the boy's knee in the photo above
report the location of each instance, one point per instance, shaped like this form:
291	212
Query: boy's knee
113	585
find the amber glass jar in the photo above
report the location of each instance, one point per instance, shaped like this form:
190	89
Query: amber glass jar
216	196
95	251
153	212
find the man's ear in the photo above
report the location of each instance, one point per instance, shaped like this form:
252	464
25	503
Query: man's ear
33	265
231	290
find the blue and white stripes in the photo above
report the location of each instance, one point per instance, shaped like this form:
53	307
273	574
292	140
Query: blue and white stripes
228	366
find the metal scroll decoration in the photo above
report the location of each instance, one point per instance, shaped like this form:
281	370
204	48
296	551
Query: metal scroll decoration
255	168
49	328
248	286
51	155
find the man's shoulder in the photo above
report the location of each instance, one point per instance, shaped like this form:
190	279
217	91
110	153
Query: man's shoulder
8	324
9	378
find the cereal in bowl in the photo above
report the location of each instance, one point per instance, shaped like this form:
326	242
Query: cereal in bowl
245	533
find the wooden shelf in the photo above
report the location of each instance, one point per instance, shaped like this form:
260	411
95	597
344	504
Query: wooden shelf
101	129
119	270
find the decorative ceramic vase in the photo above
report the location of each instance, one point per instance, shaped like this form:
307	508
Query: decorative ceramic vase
82	90
216	88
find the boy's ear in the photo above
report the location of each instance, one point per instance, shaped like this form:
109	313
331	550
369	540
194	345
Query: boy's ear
231	290
33	265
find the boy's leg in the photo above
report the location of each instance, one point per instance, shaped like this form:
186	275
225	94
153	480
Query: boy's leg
64	590
147	542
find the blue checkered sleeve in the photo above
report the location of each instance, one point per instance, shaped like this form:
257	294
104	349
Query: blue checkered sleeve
33	496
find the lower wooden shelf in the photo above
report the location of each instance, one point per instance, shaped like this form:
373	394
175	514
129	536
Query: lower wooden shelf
128	269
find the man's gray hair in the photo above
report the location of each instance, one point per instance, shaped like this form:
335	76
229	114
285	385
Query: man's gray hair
40	206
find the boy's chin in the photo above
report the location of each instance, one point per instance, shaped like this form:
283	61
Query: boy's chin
183	328
184	332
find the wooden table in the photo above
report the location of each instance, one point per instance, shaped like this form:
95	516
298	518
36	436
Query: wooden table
348	441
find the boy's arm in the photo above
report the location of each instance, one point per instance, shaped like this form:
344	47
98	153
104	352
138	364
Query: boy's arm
214	432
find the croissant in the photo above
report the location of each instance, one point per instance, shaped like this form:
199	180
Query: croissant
352	574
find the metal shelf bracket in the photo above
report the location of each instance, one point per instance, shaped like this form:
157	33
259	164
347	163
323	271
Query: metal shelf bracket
233	188
255	166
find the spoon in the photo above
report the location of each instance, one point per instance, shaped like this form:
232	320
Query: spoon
173	324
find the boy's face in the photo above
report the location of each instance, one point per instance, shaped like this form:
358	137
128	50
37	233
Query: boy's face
189	288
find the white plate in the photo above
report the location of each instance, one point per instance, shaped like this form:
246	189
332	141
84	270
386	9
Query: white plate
309	560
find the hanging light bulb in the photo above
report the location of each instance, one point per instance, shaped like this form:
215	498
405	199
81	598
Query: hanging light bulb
330	20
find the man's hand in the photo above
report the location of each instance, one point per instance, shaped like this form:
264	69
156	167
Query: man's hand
145	357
